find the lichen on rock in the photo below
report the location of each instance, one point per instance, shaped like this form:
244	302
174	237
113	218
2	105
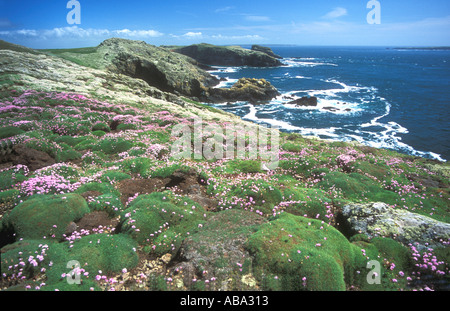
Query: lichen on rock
379	219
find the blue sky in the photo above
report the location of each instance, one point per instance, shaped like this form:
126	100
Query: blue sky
43	24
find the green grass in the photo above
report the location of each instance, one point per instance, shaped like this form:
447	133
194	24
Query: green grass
17	48
86	57
167	171
203	106
293	247
309	185
312	203
243	166
160	222
88	50
109	203
10	131
45	215
9	178
113	145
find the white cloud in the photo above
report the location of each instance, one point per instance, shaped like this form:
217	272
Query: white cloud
193	34
21	32
75	31
243	37
72	31
123	31
27	32
336	13
138	33
257	18
217	38
224	9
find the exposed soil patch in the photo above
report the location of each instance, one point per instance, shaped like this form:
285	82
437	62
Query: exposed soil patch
32	158
129	187
191	184
427	182
95	220
181	182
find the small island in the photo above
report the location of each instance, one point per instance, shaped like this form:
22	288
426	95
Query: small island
437	48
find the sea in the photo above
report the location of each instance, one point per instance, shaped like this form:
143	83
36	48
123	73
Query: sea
383	97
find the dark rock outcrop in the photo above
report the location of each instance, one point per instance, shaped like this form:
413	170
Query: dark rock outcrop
305	101
266	50
246	89
331	109
227	56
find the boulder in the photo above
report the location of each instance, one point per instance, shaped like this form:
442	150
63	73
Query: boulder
305	101
266	50
379	219
246	89
332	109
228	56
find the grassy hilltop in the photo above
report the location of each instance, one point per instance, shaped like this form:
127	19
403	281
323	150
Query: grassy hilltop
86	174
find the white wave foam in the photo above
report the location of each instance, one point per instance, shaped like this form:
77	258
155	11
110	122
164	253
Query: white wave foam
220	69
302	77
333	93
386	139
316	132
324	105
293	62
227	83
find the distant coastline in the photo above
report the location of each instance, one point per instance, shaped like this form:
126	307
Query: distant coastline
435	48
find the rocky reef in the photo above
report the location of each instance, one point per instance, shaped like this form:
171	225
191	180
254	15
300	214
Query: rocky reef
305	101
228	55
245	89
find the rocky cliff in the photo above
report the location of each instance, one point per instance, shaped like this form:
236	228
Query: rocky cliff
174	73
228	55
159	67
266	50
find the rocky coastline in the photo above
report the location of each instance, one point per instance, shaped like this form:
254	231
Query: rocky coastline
87	174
